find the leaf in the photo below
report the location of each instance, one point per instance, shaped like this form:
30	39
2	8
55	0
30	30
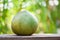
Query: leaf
17	5
15	2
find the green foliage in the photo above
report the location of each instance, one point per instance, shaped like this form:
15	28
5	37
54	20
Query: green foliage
47	15
3	25
58	13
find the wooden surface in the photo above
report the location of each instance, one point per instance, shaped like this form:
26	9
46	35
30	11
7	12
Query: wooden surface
32	37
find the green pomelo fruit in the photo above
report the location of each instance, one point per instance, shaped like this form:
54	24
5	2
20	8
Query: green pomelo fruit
24	23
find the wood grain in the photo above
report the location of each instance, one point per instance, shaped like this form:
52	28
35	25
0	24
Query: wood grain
32	37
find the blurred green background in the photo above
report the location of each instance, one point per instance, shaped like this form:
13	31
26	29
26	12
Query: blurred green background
47	12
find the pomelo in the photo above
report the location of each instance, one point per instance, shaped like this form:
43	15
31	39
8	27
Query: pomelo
24	23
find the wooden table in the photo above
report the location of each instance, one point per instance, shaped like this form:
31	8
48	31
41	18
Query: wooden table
32	37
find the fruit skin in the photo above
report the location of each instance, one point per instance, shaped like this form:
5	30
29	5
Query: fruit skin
24	23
